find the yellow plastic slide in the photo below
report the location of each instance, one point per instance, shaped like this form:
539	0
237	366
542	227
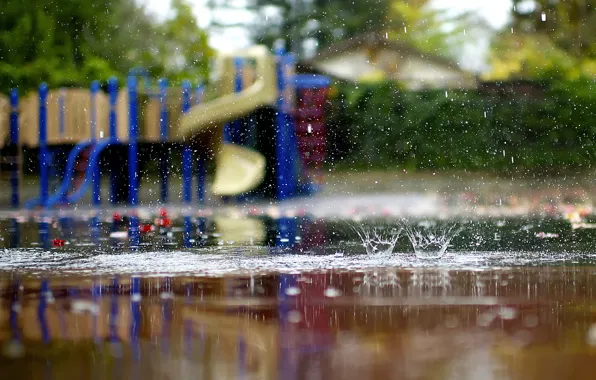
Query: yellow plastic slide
238	169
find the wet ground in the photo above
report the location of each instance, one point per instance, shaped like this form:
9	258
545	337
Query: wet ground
291	291
286	292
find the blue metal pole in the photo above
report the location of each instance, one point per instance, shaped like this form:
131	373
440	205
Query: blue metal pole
94	227
201	164
236	127
163	111
134	235
44	153
133	180
187	231
44	232
94	91
163	136
186	150
201	179
113	98
14	142
96	171
293	155
199	93
133	134
281	137
15	234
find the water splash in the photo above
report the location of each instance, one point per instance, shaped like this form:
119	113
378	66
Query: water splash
430	240
378	239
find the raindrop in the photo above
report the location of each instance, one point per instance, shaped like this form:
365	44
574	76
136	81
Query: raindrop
431	242
378	239
543	16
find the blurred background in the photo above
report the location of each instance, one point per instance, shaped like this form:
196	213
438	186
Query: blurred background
492	86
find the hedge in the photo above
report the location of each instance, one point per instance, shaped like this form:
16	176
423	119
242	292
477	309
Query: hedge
382	126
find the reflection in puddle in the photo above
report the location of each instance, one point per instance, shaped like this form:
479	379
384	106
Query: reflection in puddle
292	298
398	324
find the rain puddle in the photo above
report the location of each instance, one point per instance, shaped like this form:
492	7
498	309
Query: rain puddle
227	297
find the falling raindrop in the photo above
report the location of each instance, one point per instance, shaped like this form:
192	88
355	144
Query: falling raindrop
543	16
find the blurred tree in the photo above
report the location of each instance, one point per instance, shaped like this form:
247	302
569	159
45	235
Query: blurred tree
547	39
431	30
71	42
320	21
43	40
570	24
323	22
183	49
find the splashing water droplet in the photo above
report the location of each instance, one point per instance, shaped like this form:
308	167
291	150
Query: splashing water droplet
378	239
431	241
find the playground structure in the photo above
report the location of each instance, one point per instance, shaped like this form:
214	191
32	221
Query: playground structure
251	85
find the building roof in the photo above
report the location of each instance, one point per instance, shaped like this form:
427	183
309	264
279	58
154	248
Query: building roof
377	40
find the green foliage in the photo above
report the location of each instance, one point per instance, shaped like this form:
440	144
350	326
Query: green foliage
184	48
72	42
546	39
381	126
325	21
428	29
569	24
330	21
